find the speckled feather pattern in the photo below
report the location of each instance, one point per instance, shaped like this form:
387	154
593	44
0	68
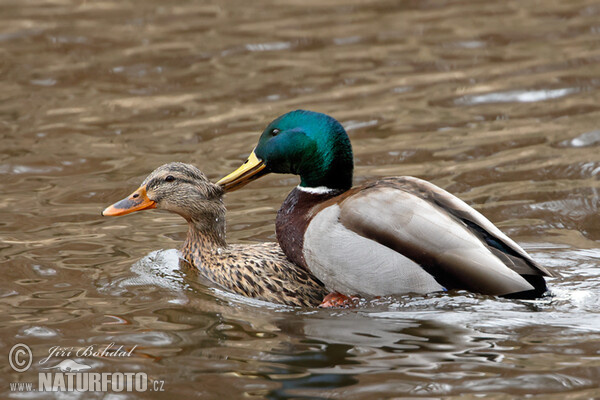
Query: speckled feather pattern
260	271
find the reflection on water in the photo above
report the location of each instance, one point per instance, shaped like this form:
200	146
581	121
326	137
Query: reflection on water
520	96
495	101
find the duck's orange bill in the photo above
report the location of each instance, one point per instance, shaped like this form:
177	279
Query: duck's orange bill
136	201
252	169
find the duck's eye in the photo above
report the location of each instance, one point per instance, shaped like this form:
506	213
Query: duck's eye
275	132
169	178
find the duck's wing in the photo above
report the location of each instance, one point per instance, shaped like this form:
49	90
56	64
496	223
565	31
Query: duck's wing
499	243
454	243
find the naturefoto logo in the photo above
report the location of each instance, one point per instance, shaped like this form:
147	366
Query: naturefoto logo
69	375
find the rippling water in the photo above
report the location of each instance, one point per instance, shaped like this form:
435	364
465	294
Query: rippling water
497	102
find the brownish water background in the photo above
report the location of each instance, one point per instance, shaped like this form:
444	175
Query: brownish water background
497	102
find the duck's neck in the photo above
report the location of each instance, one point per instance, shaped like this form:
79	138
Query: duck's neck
205	237
294	216
328	169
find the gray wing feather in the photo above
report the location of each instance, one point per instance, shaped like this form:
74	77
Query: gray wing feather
514	255
391	213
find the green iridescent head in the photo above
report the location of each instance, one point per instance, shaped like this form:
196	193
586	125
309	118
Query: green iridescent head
310	144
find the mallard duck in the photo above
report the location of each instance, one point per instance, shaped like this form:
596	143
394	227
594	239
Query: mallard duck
260	271
394	235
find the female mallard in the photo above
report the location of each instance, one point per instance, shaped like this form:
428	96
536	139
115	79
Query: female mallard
260	270
390	236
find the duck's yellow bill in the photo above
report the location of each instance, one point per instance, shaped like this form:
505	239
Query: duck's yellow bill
136	201
252	169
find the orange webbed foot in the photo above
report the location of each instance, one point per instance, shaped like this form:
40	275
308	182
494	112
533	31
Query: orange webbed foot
338	300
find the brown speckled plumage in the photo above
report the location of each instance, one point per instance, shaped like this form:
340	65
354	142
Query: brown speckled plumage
260	271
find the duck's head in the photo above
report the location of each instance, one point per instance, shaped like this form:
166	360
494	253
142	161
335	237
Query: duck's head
176	187
306	143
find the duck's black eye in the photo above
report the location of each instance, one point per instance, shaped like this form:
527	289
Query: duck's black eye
169	178
275	131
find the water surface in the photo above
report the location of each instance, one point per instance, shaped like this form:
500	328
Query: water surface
497	102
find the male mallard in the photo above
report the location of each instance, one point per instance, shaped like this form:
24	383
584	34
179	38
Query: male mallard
260	270
393	235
